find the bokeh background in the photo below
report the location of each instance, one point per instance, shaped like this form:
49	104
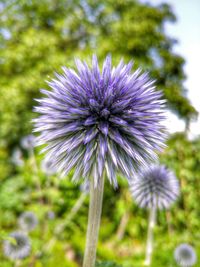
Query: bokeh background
36	39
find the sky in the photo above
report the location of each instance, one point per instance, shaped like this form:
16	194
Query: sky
187	31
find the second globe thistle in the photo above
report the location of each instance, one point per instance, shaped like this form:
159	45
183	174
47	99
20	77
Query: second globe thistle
94	120
156	186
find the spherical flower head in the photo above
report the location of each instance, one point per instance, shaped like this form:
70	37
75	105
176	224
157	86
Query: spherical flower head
94	121
28	221
185	255
155	186
18	249
28	142
47	167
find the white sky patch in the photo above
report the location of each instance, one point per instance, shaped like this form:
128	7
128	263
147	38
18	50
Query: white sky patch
174	124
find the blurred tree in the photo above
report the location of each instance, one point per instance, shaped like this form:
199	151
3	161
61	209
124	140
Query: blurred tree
37	37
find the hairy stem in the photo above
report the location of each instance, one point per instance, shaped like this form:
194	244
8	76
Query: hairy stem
151	225
94	218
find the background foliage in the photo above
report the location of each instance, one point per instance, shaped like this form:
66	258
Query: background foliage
36	39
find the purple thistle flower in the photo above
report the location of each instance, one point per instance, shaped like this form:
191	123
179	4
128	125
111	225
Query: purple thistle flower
185	255
96	121
155	187
18	250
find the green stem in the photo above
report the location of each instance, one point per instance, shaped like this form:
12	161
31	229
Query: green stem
72	213
151	225
122	226
76	207
17	263
169	225
94	218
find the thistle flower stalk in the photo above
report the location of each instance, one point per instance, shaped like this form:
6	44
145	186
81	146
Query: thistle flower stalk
94	218
149	245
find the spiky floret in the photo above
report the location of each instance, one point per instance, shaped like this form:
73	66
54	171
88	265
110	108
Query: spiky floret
185	255
28	221
18	249
155	186
94	120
